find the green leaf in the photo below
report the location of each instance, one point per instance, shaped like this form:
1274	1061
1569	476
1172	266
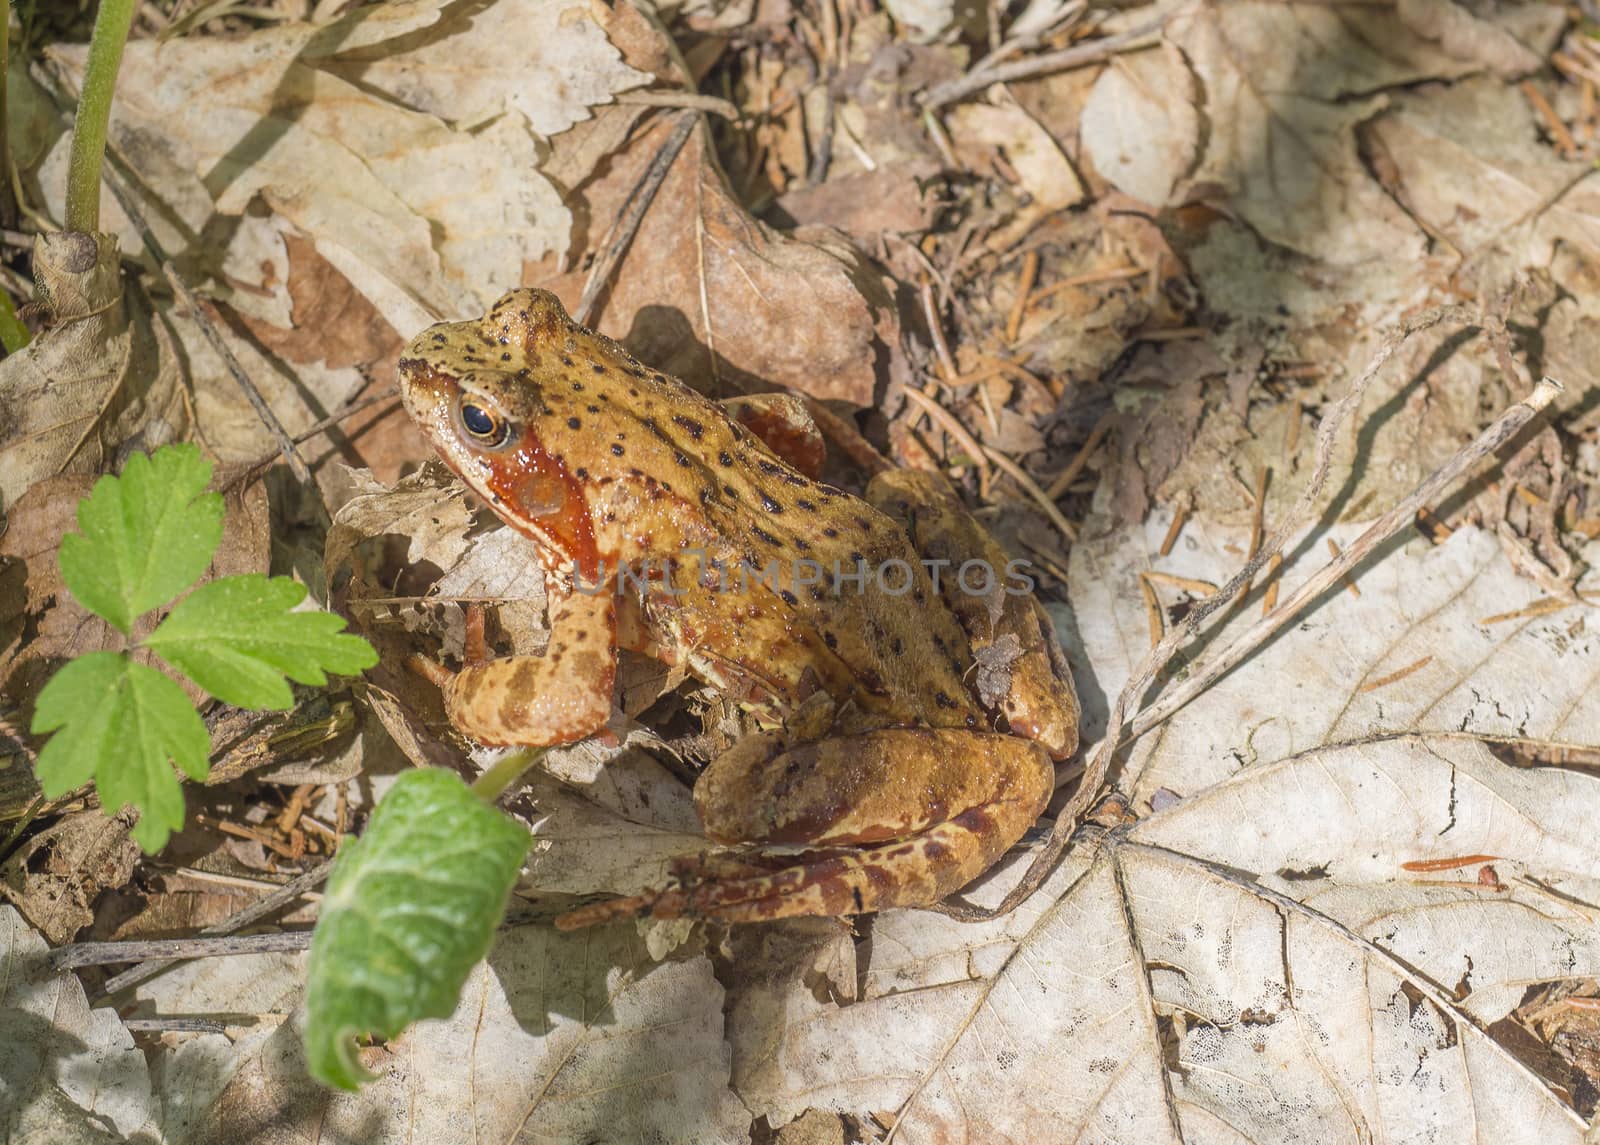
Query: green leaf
410	908
13	334
147	535
237	638
121	722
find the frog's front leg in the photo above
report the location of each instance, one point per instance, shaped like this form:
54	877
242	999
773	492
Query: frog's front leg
890	818
538	701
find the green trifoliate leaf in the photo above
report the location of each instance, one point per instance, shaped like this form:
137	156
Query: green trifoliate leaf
237	638
410	908
121	723
147	535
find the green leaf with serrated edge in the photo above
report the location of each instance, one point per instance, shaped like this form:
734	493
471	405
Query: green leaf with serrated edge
409	909
237	638
121	723
147	535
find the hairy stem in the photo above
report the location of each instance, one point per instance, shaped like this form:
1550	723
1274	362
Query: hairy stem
111	24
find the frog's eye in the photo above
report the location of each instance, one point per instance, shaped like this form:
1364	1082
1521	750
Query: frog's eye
484	425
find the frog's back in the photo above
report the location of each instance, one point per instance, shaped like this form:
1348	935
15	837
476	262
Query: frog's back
666	475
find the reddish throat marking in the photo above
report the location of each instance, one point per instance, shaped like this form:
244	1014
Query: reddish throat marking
542	500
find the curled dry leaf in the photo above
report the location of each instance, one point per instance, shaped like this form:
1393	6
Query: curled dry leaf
555	68
1468	164
415	211
100	381
1285	90
1031	158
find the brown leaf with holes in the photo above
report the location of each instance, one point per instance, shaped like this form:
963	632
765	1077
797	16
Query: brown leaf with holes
56	876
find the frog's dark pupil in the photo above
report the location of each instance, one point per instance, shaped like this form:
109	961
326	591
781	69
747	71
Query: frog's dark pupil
479	422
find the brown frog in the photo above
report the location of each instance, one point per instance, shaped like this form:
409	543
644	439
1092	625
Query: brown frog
682	528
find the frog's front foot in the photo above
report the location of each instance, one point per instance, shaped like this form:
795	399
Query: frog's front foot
894	818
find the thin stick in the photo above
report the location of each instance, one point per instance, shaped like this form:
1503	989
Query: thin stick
1269	599
1074	467
313	430
1335	552
100	953
174	1025
843	433
639	200
948	422
930	313
1179	516
280	898
1078	56
1030	275
1398	674
1092	278
1153	615
1499	432
1040	498
1199	587
213	336
691	100
1559	134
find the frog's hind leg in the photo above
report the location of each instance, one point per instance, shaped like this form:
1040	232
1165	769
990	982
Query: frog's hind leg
785	426
993	601
891	818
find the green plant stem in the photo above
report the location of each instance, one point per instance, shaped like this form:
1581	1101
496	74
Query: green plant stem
111	24
489	786
8	204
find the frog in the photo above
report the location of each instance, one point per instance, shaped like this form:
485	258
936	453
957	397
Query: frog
904	726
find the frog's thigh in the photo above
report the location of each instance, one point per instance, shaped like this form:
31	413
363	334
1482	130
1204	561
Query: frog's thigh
941	831
560	697
1040	703
785	426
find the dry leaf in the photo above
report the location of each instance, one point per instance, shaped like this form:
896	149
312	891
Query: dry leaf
1141	124
555	68
710	294
55	877
101	381
66	1072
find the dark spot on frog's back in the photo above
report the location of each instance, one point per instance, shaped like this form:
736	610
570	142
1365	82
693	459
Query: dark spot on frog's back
763	536
693	428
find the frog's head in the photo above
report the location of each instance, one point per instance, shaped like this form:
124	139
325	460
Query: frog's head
497	416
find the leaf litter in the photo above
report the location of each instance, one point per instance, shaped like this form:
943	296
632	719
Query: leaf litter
1339	894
